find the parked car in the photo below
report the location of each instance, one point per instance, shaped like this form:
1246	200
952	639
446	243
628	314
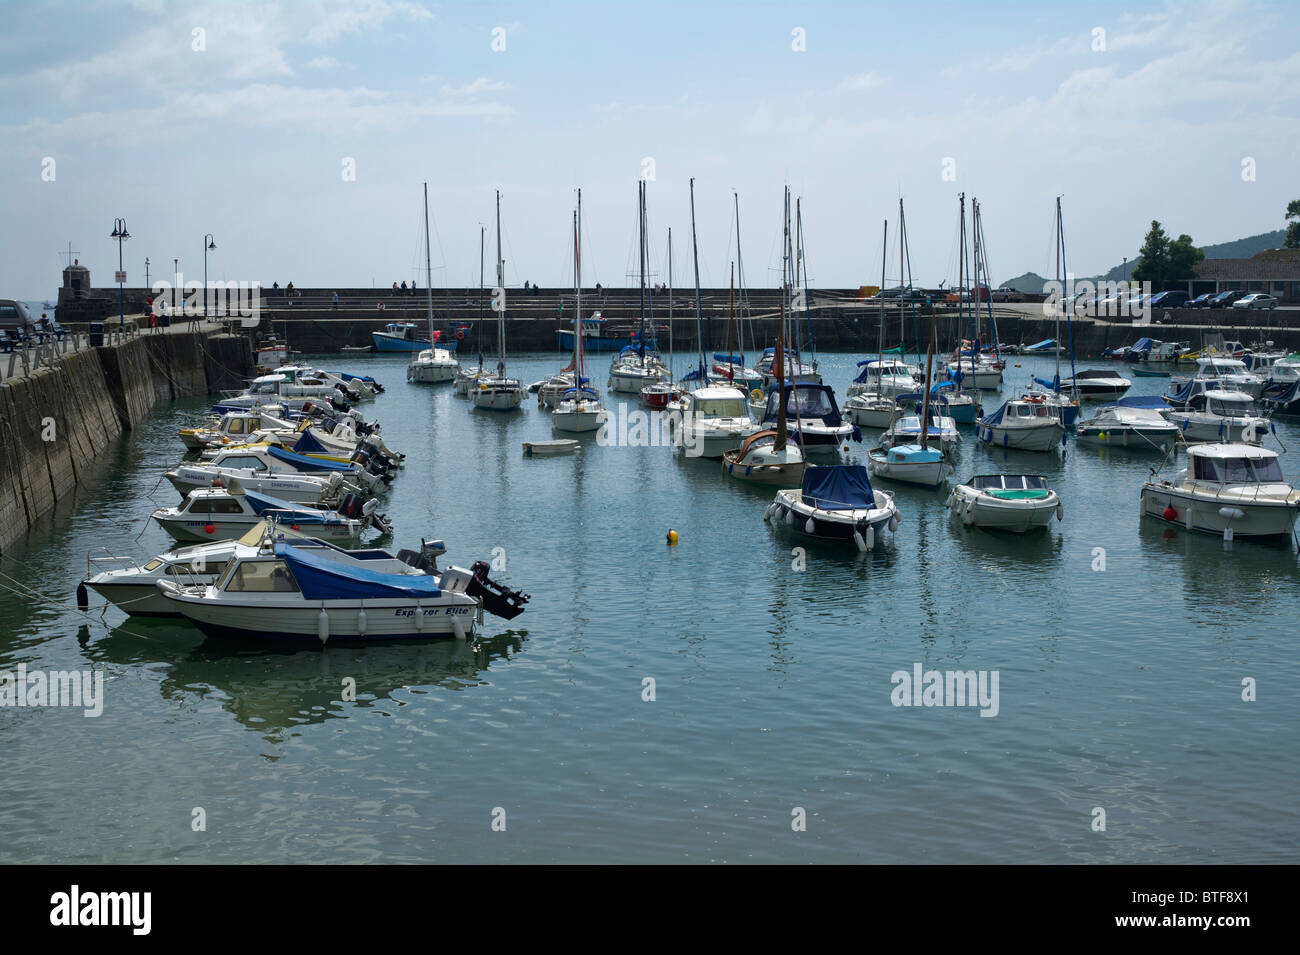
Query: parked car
1224	299
1201	301
1255	300
1169	299
14	315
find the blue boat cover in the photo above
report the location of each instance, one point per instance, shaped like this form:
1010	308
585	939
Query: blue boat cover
913	454
309	444
995	417
294	513
320	578
1285	397
1151	402
585	391
1054	384
1042	346
733	359
943	386
804	400
302	463
838	487
1142	344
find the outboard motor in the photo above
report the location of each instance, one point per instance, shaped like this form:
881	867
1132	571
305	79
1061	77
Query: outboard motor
351	506
497	600
338	404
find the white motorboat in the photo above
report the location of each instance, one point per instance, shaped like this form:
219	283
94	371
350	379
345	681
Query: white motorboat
1135	423
836	502
1028	423
282	482
209	514
1231	374
432	366
631	374
796	369
234	427
551	390
543	449
1228	489
710	421
910	464
769	456
1220	415
942	432
132	586
1096	384
272	458
1007	502
813	416
884	376
985	374
311	590
498	392
468	377
869	409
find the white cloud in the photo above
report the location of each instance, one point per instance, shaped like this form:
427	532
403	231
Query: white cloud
323	63
860	81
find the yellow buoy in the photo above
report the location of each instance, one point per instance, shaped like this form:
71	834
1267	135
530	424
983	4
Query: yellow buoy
1101	435
672	537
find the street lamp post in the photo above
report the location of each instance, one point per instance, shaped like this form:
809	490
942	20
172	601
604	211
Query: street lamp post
120	233
208	243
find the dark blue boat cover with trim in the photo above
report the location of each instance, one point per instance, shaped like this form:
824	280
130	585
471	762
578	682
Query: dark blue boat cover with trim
732	359
1150	402
288	511
838	487
306	464
995	417
308	443
1142	344
320	578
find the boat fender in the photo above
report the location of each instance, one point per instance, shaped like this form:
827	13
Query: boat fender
870	537
951	494
809	526
361	622
968	515
1060	511
323	626
459	626
419	618
857	539
1169	514
1227	534
1231	513
767	514
83	598
789	517
893	523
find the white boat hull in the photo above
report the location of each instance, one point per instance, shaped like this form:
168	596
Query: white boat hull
1045	437
1211	514
578	422
975	509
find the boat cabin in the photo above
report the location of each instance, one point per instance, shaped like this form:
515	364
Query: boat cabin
1234	464
1011	486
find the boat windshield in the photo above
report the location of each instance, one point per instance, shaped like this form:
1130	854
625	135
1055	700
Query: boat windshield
1231	406
1237	470
808	404
721	408
259	576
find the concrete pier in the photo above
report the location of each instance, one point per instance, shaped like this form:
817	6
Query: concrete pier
61	409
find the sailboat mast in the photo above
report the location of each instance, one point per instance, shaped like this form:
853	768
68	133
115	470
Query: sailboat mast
699	298
740	270
781	430
640	228
925	403
807	299
577	278
501	285
478	332
1060	301
1069	326
880	328
428	264
671	377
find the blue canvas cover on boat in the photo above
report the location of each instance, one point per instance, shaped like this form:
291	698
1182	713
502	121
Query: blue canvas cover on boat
308	444
1285	397
1143	344
320	578
730	359
1042	346
838	487
913	454
1150	402
1054	384
302	463
995	417
286	510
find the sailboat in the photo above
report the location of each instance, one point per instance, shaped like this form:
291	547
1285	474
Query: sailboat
497	392
1065	405
579	409
469	375
665	390
636	366
769	457
731	365
914	463
871	403
712	419
431	364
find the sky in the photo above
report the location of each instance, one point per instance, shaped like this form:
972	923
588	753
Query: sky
299	133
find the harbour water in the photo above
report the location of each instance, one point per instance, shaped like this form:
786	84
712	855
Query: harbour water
1120	644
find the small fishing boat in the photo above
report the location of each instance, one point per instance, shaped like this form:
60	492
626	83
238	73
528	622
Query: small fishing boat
914	461
1096	384
432	366
1219	415
661	394
1230	373
358	349
234	427
400	336
1147	373
1008	502
274	459
540	449
869	409
813	416
1027	423
884	376
951	402
1227	489
311	590
769	456
209	514
709	421
1136	423
836	502
284	483
133	587
942	431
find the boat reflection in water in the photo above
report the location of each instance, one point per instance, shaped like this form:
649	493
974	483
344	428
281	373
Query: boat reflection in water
272	689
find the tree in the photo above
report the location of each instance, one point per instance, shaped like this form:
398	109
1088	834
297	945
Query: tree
1292	240
1153	259
1163	261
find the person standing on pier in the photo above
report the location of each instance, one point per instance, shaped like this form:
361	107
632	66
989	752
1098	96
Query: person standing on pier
336	301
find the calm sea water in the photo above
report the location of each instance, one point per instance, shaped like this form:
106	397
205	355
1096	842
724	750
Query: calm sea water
1118	688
